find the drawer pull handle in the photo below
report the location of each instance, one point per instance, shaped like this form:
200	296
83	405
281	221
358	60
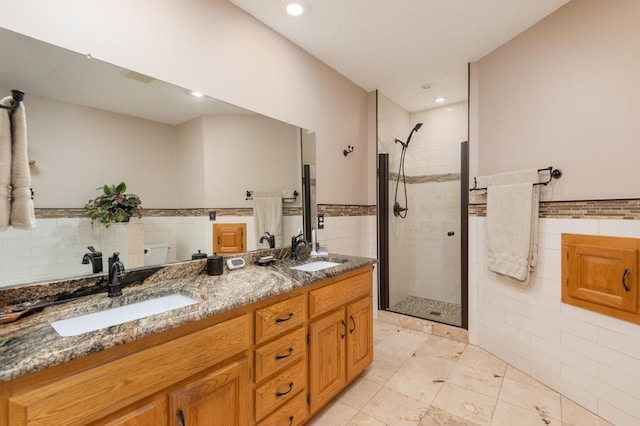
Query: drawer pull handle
278	394
624	280
180	415
291	421
285	356
354	324
285	319
344	324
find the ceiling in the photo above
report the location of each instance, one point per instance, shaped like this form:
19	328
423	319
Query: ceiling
39	68
395	46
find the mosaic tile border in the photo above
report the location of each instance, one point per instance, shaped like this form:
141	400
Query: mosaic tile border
326	209
444	177
626	209
337	210
240	211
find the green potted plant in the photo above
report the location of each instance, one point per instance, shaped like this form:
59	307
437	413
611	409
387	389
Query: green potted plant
114	206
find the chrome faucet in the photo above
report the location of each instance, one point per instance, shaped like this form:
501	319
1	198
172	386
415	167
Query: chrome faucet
116	271
95	258
271	239
297	241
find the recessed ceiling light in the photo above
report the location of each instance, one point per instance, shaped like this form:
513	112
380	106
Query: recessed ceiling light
295	8
440	100
197	94
426	86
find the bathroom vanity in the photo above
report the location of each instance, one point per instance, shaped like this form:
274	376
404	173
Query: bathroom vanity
263	345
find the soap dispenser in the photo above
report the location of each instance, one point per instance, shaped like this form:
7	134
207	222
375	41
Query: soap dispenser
214	265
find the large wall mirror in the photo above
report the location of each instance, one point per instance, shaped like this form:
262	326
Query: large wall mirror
90	123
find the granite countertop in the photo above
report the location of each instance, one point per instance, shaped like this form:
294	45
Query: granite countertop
31	344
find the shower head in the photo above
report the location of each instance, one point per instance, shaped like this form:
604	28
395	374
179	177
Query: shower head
406	144
415	129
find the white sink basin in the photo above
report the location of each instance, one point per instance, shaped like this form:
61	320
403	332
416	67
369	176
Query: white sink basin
119	315
315	266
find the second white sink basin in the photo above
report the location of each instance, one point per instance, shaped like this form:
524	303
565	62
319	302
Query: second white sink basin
318	265
106	318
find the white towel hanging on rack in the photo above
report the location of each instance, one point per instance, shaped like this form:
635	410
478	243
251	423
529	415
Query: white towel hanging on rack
5	164
512	224
22	208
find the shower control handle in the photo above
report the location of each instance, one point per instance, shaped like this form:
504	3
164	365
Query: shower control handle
451	234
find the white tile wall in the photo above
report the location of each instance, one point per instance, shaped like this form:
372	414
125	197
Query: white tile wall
591	358
54	249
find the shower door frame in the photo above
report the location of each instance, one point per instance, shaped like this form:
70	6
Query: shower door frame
383	233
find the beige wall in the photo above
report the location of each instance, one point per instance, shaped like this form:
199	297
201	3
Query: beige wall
248	153
565	94
214	47
190	164
79	149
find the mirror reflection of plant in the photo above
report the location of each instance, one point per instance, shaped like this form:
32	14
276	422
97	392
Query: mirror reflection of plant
114	206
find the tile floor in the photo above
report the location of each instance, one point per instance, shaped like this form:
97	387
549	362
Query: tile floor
418	378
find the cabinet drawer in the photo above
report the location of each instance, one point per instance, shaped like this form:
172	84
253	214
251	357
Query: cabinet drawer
335	295
278	354
280	389
291	414
278	318
93	394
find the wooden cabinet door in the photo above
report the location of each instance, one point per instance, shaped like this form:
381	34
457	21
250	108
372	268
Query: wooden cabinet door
359	337
229	238
151	414
220	398
601	274
327	375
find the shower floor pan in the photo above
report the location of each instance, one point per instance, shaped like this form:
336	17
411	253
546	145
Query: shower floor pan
429	309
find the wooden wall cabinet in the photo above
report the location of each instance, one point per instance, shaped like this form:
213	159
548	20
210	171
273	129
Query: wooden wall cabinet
229	238
600	273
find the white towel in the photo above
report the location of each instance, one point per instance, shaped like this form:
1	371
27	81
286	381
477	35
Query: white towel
512	224
267	215
22	208
5	164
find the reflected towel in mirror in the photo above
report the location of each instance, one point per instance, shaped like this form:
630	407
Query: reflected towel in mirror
267	215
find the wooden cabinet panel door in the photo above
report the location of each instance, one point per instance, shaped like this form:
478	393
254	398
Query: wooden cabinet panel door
229	238
327	375
151	414
360	336
221	398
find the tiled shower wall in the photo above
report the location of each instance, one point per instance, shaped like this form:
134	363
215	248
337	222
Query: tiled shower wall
591	358
424	259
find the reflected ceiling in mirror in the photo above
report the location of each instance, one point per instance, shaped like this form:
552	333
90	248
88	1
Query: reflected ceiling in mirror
91	123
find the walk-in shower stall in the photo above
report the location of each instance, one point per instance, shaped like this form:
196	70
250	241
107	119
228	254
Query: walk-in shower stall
422	210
